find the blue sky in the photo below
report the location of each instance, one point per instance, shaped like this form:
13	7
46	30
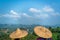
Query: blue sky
45	12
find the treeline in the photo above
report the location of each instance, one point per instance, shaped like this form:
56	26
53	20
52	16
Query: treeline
56	33
55	30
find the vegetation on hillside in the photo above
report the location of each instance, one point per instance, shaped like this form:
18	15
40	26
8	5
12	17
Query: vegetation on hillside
32	36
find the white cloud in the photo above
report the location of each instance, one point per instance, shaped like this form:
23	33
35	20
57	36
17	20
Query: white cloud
42	16
44	12
39	13
25	15
44	9
34	10
12	14
55	14
48	9
15	15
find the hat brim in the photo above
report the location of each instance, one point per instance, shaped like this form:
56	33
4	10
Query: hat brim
23	33
42	32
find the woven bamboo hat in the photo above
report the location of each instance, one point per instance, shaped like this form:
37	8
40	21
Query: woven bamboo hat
42	32
18	33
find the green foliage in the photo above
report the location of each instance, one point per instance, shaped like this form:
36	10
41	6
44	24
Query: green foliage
33	36
54	36
4	36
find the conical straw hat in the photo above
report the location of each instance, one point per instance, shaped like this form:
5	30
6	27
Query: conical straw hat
42	32
18	33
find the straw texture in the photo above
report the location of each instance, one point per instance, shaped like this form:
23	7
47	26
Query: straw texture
18	33
42	32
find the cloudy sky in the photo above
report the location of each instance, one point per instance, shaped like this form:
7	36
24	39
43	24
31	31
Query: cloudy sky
46	12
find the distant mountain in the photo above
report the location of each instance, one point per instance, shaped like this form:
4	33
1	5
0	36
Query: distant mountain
24	26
